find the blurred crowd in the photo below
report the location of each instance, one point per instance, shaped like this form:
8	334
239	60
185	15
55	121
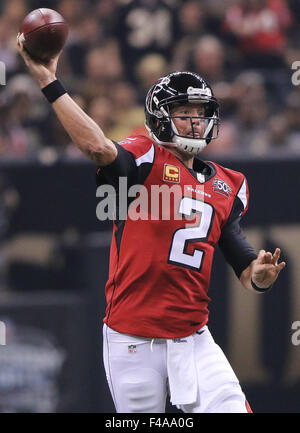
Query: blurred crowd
117	49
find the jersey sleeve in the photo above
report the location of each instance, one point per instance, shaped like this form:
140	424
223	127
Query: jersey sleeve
241	202
134	161
233	243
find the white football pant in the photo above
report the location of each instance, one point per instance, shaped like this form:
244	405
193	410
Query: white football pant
141	372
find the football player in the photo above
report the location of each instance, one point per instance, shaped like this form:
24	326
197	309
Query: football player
155	335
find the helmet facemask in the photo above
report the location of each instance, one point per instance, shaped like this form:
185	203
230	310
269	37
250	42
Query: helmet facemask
199	130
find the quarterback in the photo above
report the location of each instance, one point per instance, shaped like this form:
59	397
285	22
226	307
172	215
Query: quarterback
156	338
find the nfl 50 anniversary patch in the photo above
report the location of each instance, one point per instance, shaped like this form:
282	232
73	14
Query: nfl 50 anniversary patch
221	187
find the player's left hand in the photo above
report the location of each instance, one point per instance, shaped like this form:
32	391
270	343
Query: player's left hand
265	269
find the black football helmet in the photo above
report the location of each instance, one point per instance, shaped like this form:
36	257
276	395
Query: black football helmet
179	88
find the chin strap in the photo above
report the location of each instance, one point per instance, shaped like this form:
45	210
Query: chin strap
190	145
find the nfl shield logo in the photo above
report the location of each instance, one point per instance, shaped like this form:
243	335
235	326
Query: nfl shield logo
132	348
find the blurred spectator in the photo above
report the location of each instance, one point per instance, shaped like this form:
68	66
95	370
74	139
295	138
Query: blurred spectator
148	71
106	12
103	68
227	142
260	28
294	30
73	11
22	122
101	111
88	35
250	85
16	140
191	21
13	12
277	135
9	201
128	115
292	116
85	32
244	131
252	111
208	59
143	27
282	133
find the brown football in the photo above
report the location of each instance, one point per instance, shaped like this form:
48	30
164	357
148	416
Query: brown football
43	34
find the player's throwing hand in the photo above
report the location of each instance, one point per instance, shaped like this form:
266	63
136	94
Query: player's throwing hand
43	73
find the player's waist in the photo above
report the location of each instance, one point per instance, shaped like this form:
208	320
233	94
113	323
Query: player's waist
119	336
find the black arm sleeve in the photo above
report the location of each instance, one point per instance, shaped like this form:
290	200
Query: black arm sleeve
123	166
235	247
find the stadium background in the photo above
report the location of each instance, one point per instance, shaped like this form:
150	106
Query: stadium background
54	252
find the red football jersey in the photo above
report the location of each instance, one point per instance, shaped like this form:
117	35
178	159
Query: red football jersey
160	263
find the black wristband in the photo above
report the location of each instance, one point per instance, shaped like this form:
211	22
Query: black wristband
54	91
260	289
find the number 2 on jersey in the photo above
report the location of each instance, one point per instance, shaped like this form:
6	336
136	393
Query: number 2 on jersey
186	235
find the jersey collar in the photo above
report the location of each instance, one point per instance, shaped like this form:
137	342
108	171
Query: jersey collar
206	169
